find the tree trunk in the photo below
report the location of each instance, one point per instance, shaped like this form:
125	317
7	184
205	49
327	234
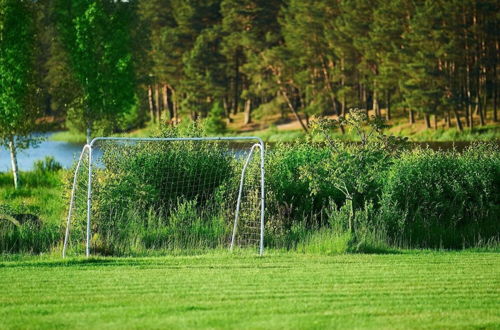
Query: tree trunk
13	159
248	112
375	105
157	102
495	103
294	111
459	122
495	92
174	107
166	102
427	118
236	83
365	99
411	117
471	117
388	105
342	83
151	104
88	134
435	122
466	113
480	111
227	110
468	105
448	119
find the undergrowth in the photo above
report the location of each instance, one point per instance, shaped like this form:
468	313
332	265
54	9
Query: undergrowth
324	196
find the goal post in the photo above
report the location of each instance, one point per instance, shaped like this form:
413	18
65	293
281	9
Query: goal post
84	182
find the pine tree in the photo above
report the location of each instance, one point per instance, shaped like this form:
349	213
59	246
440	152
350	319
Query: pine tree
250	27
423	84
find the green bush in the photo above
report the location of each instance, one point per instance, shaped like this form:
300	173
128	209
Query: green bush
322	197
382	193
290	197
159	195
438	199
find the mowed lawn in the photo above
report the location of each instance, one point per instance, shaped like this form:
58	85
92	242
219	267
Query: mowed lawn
280	290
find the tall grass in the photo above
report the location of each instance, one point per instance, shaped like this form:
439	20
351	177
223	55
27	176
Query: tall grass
175	195
382	196
37	208
322	198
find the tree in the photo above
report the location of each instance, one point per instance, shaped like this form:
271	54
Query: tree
305	29
424	83
250	27
390	21
158	57
18	101
60	89
96	34
205	68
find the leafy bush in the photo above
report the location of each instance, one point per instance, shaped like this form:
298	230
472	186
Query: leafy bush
322	197
380	192
149	195
289	192
438	199
305	177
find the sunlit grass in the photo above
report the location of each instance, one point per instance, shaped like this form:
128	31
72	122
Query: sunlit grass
69	136
41	191
280	290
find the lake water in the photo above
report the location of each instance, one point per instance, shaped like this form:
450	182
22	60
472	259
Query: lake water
64	152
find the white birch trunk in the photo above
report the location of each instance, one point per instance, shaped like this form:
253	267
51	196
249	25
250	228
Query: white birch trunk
13	159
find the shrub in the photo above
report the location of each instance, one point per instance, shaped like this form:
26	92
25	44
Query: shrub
438	199
141	192
290	198
355	170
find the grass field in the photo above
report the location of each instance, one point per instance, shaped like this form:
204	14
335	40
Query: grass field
280	290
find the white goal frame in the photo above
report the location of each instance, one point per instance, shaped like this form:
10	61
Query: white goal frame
89	148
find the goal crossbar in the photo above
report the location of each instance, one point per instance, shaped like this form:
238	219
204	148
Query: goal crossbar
89	148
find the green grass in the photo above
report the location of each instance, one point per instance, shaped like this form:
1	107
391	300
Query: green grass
280	290
69	136
479	133
415	133
43	192
274	135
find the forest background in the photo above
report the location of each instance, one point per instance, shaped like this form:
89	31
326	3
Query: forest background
102	67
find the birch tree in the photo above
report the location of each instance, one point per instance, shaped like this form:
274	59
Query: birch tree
18	106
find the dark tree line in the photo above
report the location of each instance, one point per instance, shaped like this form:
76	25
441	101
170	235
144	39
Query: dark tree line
115	64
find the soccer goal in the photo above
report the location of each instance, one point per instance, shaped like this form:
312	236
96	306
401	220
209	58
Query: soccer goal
167	193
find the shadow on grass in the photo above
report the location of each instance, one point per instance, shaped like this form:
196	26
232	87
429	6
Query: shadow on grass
75	262
237	259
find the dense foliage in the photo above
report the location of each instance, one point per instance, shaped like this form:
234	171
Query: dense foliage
96	35
122	62
380	193
321	197
18	94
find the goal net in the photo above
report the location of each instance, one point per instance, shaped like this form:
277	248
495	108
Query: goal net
138	194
